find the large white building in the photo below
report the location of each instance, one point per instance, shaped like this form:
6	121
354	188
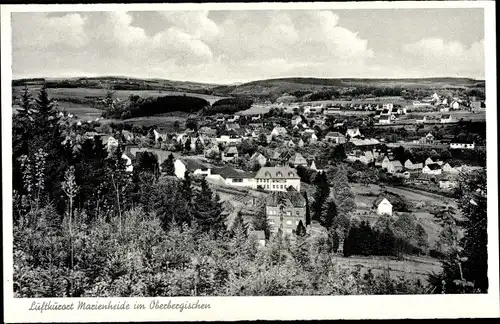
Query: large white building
277	179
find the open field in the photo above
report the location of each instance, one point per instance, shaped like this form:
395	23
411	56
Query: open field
89	93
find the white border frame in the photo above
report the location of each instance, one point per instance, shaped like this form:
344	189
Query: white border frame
253	308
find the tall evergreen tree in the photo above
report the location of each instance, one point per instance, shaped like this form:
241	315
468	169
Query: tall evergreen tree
301	229
308	210
168	166
207	211
328	214
320	195
186	187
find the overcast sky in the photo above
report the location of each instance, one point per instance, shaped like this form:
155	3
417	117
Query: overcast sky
237	46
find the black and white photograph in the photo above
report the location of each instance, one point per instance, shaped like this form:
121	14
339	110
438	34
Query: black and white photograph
247	151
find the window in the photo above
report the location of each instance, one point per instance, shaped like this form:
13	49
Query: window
289	222
289	213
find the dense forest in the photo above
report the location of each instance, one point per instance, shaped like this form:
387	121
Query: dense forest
84	226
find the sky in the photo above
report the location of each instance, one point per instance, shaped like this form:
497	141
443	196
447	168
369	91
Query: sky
225	47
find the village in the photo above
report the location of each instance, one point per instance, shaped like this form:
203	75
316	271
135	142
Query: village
253	158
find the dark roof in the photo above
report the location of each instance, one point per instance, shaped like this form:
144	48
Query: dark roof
295	198
192	164
229	172
434	166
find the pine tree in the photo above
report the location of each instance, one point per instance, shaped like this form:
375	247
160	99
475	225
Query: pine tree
168	166
328	214
187	145
301	229
308	210
186	187
207	211
320	195
239	225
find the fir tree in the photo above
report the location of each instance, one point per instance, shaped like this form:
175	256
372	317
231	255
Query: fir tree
301	229
187	145
168	166
186	188
308	210
207	211
239	225
328	214
320	195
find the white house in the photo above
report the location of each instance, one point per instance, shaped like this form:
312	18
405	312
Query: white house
394	166
279	131
462	145
277	179
296	120
428	161
433	169
353	132
447	184
455	105
312	138
128	162
229	154
385	120
191	165
384	207
231	177
229	138
447	168
259	158
388	106
445	119
385	163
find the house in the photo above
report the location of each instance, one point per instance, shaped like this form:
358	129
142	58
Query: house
385	112
467	145
312	110
385	162
207	131
432	168
297	159
353	132
408	164
384	120
290	143
435	97
128	157
254	118
229	137
191	165
127	136
232	177
394	166
335	137
387	106
258	158
260	236
232	126
285	210
312	138
357	155
447	168
220	118
331	110
277	179
447	184
428	161
296	120
421	120
404	175
444	109
229	154
212	150
279	131
110	142
318	166
233	119
455	105
383	206
369	156
429	138
446	119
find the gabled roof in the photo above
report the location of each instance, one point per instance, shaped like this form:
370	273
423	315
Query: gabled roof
277	173
297	157
229	172
433	166
293	197
379	200
192	164
231	150
397	163
334	134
